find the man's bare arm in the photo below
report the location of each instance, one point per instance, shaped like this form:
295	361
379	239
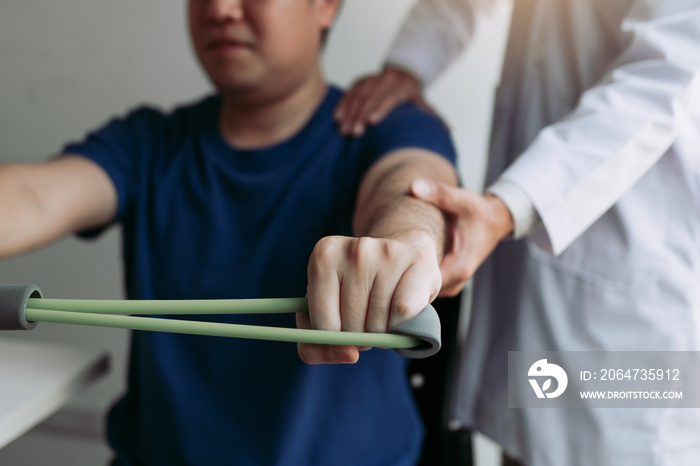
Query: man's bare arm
41	202
385	207
390	271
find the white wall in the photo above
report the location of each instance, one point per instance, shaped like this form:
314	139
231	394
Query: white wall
68	66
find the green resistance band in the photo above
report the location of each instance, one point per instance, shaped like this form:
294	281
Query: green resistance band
22	306
113	314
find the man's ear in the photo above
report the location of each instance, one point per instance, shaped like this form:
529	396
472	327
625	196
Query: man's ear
326	11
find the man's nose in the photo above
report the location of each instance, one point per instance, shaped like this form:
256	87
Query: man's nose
226	10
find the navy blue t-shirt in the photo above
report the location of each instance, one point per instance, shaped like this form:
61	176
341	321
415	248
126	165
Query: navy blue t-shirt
204	220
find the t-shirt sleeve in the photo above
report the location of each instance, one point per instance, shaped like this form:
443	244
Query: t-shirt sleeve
117	147
408	127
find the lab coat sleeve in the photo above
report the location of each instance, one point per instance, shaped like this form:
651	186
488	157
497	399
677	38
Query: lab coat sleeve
577	168
434	34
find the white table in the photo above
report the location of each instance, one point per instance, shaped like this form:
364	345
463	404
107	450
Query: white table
37	378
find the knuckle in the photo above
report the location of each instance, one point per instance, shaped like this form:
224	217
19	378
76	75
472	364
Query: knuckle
424	254
388	250
427	260
362	250
326	250
402	308
324	257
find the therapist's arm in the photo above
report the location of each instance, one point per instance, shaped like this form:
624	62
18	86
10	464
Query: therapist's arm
635	112
434	34
390	271
41	202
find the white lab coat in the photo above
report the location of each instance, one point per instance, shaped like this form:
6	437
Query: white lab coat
597	121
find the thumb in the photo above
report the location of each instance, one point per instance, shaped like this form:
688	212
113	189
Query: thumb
444	197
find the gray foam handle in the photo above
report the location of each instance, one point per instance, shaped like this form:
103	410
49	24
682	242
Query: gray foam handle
13	305
426	327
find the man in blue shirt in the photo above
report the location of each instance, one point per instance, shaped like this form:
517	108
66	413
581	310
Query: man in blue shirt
252	193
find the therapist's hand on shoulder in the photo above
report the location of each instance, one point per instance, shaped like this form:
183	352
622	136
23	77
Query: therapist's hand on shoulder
371	99
366	285
477	224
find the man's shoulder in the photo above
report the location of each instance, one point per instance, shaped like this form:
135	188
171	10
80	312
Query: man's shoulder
148	125
410	112
409	126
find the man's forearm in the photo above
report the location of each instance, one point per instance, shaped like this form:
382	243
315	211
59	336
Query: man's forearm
402	217
42	202
385	208
17	228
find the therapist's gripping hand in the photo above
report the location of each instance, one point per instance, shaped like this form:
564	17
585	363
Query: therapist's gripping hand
366	285
477	224
371	99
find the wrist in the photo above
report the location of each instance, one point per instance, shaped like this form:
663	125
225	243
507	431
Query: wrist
501	219
419	238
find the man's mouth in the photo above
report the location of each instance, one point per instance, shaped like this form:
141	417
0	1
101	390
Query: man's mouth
227	44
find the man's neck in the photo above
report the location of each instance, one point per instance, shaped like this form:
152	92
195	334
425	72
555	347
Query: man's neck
248	123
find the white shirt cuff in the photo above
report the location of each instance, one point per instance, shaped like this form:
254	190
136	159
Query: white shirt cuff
522	211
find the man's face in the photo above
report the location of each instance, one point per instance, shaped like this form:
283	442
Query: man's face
246	44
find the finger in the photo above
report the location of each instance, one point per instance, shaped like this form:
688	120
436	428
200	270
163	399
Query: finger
353	126
447	198
456	266
412	294
357	283
374	88
373	94
341	109
350	102
354	108
323	289
346	123
359	91
454	276
323	354
385	97
354	298
379	308
327	354
450	291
